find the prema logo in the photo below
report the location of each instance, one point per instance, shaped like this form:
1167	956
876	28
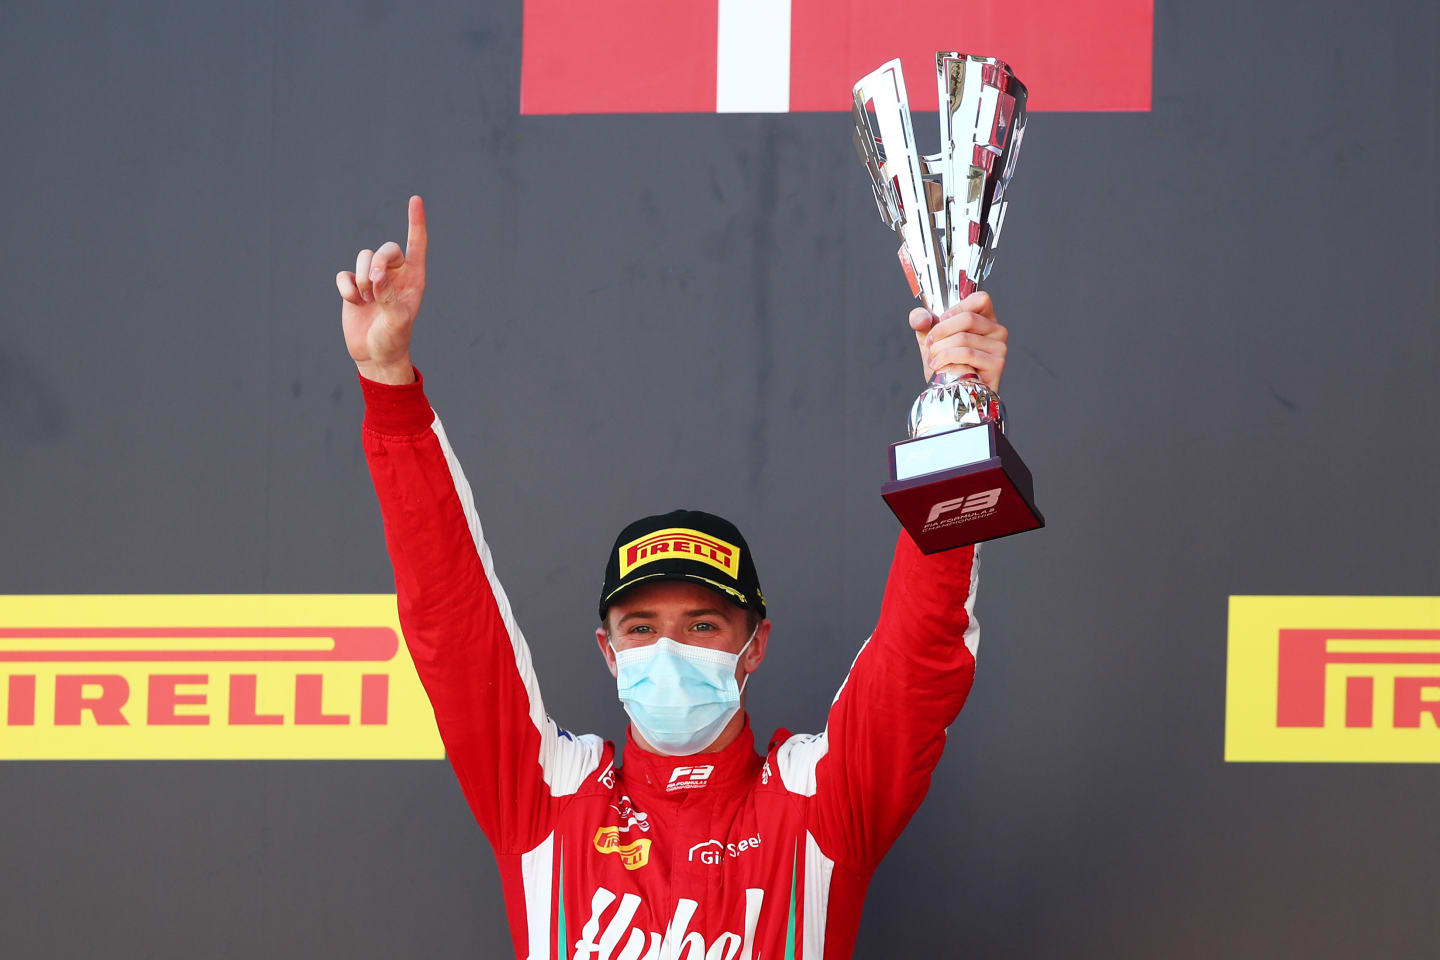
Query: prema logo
971	503
1334	679
209	677
626	811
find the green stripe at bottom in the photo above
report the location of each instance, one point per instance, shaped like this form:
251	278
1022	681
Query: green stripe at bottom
561	947
790	925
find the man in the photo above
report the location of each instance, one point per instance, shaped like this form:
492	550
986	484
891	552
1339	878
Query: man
698	848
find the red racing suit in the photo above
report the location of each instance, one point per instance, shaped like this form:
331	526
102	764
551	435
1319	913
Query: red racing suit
718	856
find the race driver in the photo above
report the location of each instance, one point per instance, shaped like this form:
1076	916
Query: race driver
698	847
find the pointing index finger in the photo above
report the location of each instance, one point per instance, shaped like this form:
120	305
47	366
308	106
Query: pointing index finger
418	240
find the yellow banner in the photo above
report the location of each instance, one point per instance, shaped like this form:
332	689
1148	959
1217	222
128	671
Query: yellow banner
216	677
1333	679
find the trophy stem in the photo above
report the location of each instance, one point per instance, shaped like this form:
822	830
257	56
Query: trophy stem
945	377
962	400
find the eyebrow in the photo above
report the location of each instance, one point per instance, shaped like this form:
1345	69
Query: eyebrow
705	612
651	614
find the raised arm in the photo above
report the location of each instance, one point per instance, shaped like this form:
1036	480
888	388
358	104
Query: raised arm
870	769
512	761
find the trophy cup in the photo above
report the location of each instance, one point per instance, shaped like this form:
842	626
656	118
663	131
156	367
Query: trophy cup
958	480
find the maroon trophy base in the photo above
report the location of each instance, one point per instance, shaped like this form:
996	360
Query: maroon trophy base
960	487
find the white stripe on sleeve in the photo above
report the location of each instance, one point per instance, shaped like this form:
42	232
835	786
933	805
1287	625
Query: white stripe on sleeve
565	761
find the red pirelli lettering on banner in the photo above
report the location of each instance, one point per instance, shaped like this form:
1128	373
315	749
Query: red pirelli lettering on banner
20	701
209	676
165	698
348	643
103	695
1306	655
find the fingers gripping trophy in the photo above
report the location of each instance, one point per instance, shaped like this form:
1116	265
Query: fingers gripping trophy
958	480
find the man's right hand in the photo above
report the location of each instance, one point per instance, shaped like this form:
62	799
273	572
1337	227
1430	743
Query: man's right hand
382	298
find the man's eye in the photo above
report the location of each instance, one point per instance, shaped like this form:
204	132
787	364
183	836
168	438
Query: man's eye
640	629
704	625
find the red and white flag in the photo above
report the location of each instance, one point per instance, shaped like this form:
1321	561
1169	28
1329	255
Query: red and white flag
773	56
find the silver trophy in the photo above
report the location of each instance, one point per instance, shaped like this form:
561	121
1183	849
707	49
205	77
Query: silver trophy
947	209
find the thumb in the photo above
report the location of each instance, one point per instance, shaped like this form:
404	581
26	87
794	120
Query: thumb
921	320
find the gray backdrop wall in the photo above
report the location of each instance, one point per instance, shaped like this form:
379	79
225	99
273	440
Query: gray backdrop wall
1225	329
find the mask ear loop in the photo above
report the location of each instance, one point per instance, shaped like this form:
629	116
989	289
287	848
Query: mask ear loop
742	653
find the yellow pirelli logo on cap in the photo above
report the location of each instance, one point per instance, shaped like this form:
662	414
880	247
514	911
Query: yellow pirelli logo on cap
1333	679
209	677
682	543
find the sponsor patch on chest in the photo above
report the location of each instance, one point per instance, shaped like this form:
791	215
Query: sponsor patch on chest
633	855
713	852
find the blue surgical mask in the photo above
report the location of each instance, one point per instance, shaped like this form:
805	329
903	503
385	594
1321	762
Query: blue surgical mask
679	696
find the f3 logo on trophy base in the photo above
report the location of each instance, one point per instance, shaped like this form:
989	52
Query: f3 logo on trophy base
970	504
986	498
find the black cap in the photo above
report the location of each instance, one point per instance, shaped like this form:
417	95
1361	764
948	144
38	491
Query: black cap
683	545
